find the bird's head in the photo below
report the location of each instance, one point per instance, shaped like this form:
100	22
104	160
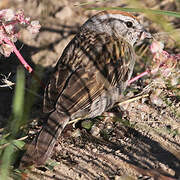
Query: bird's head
118	23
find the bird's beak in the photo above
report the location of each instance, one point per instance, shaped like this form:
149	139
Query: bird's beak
145	34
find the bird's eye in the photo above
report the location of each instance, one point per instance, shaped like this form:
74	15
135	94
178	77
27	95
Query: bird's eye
129	24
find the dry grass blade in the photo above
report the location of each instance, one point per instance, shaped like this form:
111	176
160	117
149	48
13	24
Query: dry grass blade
20	139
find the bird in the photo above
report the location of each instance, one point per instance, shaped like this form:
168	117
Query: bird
89	77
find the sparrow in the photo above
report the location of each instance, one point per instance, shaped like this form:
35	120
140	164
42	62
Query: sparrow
89	78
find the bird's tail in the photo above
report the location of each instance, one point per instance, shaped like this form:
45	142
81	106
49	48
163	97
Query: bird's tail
41	147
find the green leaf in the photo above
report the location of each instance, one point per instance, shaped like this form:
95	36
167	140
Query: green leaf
125	122
6	160
18	106
3	141
50	164
19	143
160	12
87	124
89	3
18	102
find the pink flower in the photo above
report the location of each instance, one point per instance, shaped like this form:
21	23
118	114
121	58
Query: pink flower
7	15
1	36
6	49
34	27
21	18
10	24
162	60
156	47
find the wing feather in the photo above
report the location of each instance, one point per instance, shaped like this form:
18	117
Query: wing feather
99	62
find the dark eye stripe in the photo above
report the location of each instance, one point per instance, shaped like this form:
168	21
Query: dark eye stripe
129	24
112	19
